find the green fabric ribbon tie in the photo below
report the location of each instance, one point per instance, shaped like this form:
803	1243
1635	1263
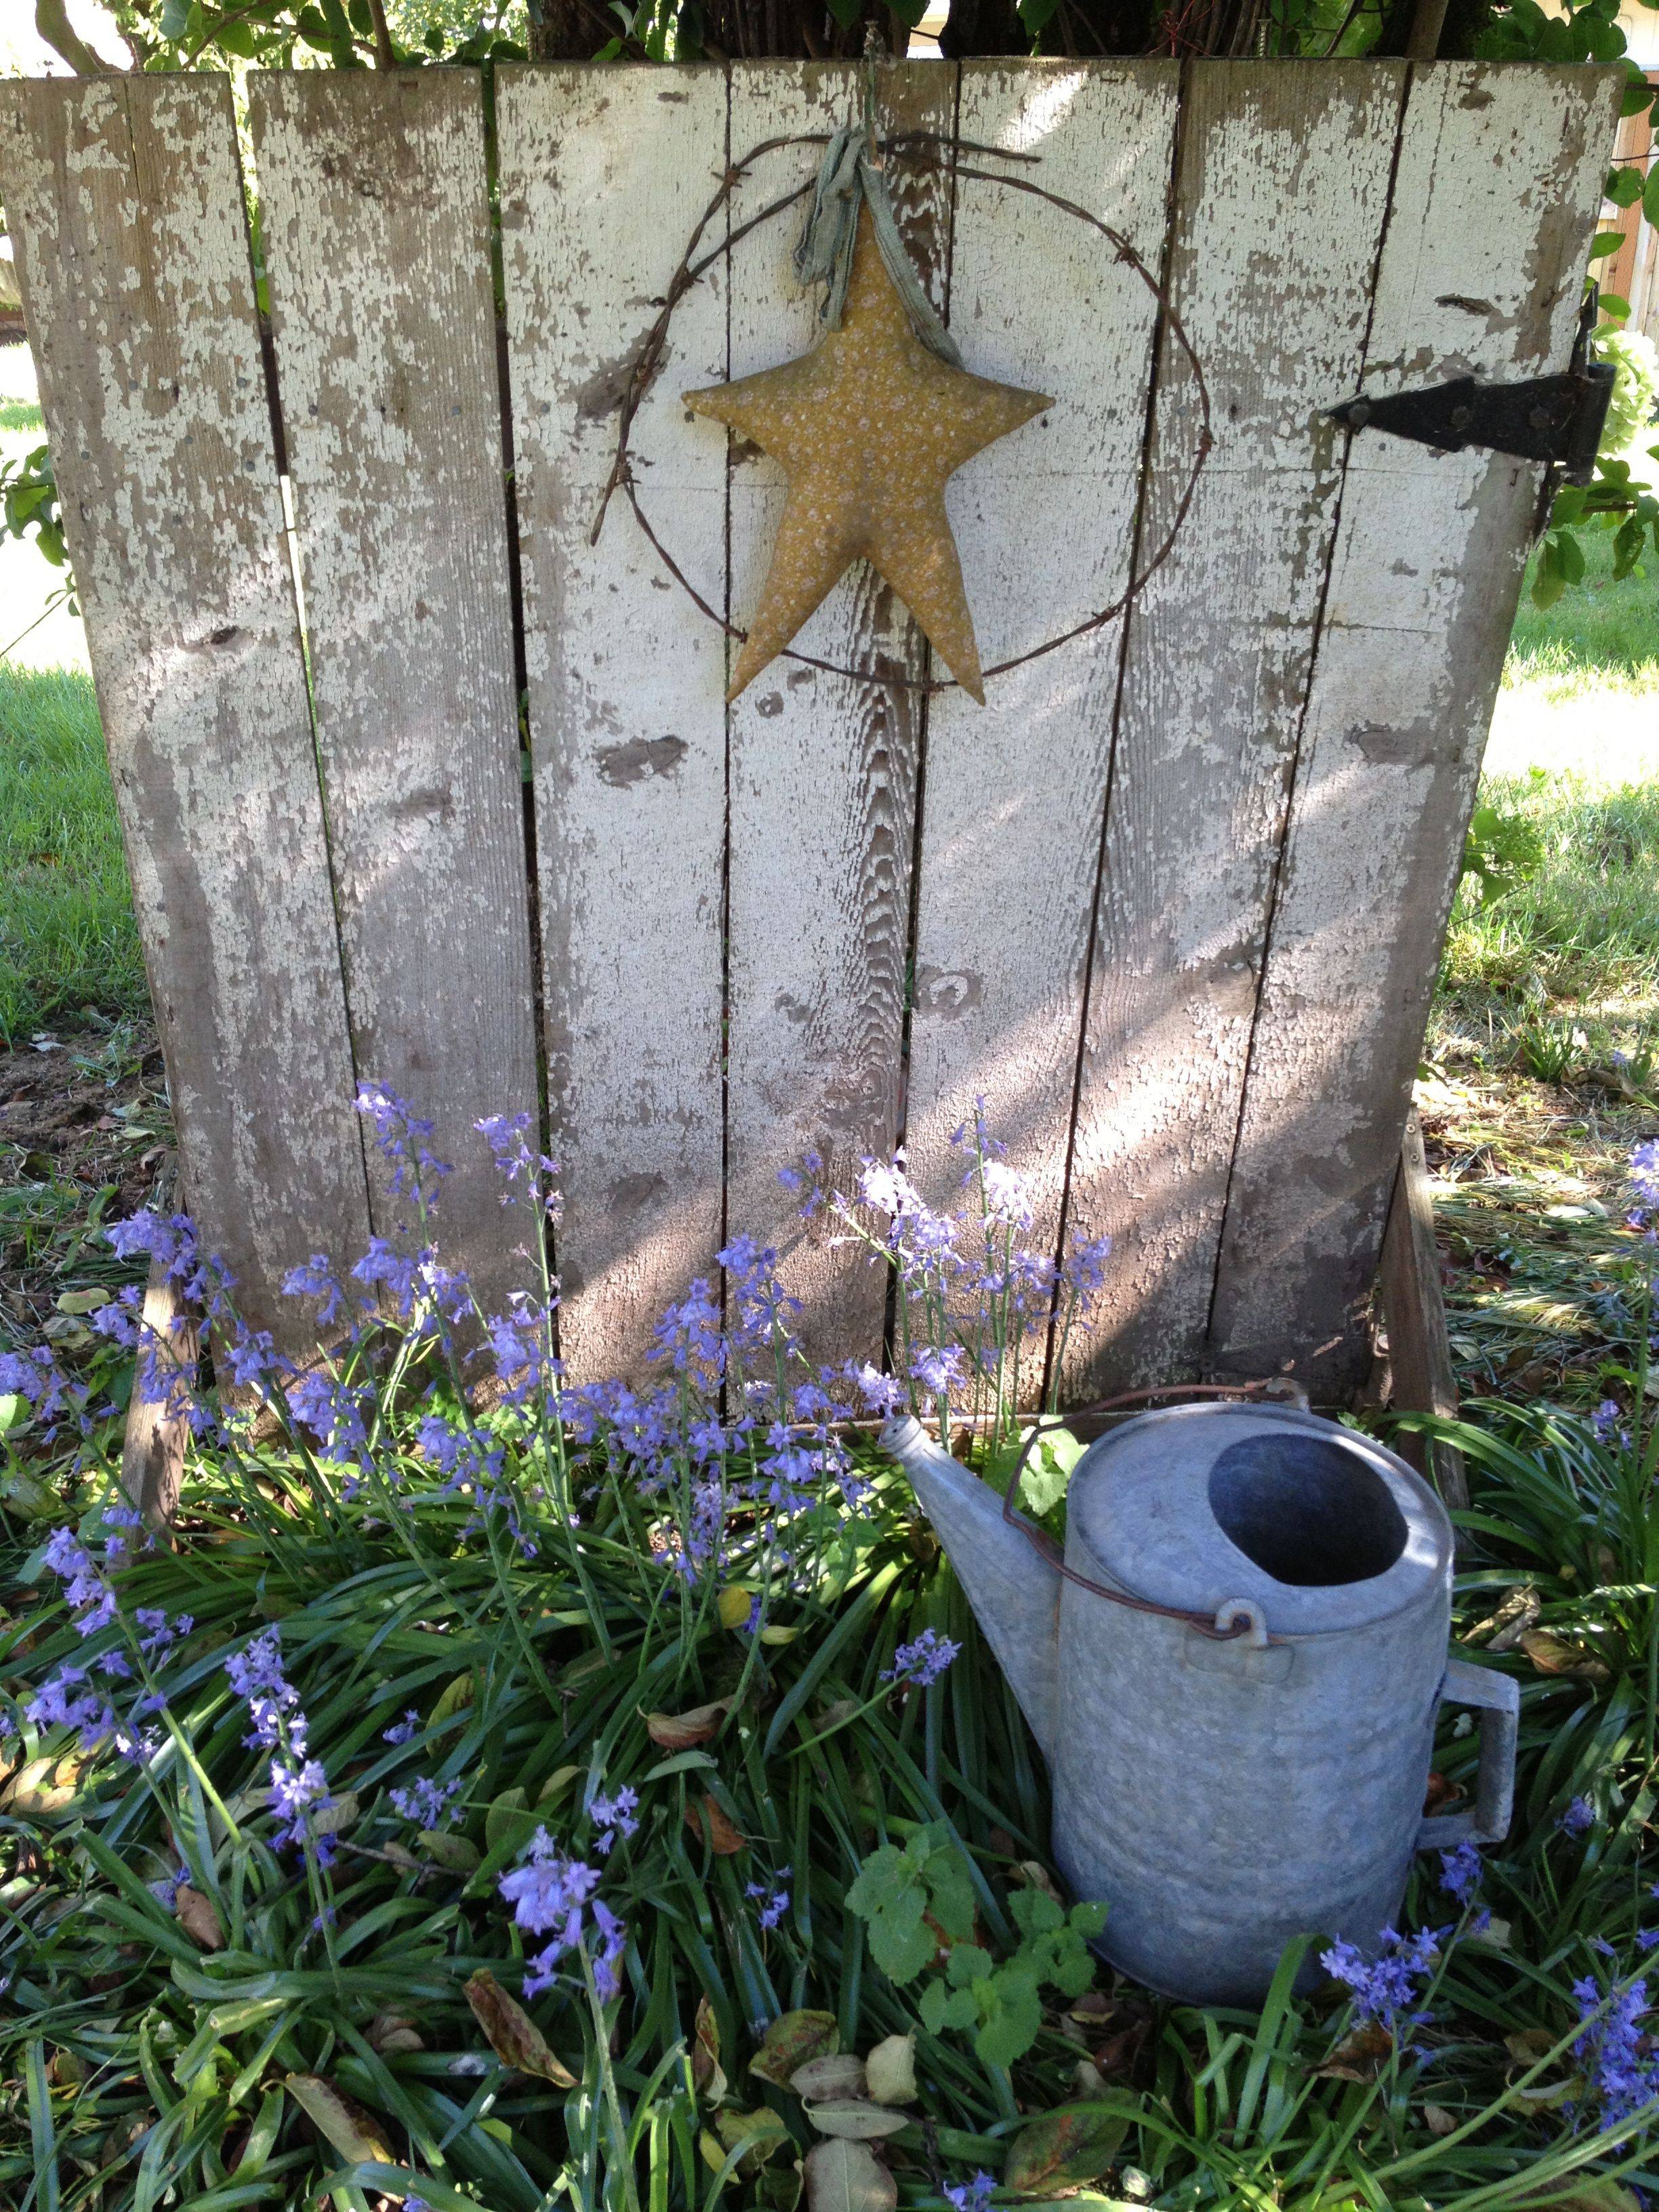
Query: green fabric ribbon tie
849	177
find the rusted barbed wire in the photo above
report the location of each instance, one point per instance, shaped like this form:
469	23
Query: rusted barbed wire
692	267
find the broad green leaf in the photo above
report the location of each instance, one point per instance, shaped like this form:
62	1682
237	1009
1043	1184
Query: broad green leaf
791	2040
847	2176
1064	2147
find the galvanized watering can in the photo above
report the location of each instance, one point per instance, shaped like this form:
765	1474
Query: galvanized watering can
1233	1675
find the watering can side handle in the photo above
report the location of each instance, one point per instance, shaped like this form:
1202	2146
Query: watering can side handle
1497	1698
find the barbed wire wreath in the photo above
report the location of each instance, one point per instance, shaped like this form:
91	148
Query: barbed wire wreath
649	360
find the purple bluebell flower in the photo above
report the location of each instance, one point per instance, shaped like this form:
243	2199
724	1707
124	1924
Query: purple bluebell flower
1645	1172
1606	1422
428	1804
923	1660
1579	1816
1614	2050
298	1793
973	2195
1386	1988
616	1819
400	1137
402	1731
881	1394
315	1279
551	1896
773	1898
940	1370
384	1266
166	1891
1461	1871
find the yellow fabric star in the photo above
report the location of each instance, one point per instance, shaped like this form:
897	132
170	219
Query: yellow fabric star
868	427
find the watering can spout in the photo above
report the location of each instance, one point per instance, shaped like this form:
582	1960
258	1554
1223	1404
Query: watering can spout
1013	1588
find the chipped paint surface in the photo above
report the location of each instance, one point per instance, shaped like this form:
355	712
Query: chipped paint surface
1289	731
823	783
1279	211
377	244
1015	791
1423	589
124	199
601	183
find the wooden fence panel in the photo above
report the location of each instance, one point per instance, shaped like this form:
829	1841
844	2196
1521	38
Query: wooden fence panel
1493	206
602	175
124	198
823	767
376	227
1215	671
1015	791
1267	764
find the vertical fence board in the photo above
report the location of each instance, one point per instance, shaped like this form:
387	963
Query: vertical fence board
1215	668
1015	790
125	199
1493	206
823	766
604	173
376	225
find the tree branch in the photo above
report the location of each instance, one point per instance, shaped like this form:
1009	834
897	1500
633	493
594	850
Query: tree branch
52	23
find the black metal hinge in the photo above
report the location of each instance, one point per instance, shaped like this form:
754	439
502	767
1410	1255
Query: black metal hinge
1558	419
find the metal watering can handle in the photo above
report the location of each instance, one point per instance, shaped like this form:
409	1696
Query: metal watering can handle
1236	1617
1498	1699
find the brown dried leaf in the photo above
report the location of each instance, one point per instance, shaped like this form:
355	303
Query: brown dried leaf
1437	2120
1361	2055
351	2130
1505	1626
709	1824
708	2074
1554	1655
337	1815
838	2073
1063	2148
196	1915
793	2040
856	2118
760	2134
1119	2050
514	2036
847	2176
1527	2044
680	1731
890	2071
391	2030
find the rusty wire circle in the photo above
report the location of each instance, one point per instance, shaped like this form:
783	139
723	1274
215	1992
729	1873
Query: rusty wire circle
692	267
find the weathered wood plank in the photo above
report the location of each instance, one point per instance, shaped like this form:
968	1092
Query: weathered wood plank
603	173
376	227
125	200
1015	791
1216	664
157	1433
1421	1378
823	767
1499	178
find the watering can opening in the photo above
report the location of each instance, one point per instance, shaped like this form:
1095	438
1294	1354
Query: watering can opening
1308	1509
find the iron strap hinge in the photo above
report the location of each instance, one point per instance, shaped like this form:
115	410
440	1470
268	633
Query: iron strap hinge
1558	419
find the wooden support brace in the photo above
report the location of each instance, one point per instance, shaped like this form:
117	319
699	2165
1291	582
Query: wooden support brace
158	1428
1414	1312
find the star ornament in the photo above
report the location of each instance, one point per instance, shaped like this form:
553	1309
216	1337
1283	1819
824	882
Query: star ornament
869	426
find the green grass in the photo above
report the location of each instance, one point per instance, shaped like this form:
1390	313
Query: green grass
67	935
1599	631
21	416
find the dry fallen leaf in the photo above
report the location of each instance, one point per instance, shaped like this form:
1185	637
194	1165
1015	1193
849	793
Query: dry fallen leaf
1554	1655
708	1822
708	2074
792	2041
890	2071
847	2176
760	2136
1062	2148
1437	2120
196	1914
838	2073
856	2118
391	2031
337	1815
1361	2055
345	2125
679	1731
514	2036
